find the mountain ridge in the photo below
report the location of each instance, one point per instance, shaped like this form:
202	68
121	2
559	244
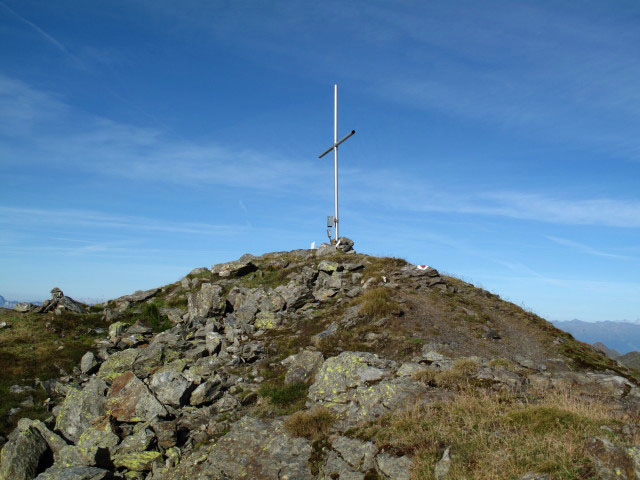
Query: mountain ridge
312	364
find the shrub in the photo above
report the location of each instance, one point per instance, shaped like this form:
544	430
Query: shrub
152	317
311	424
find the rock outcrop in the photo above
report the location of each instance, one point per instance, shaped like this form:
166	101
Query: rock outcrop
278	367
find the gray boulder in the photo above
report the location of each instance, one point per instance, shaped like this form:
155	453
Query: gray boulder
80	408
118	363
206	392
234	269
55	442
327	266
24	307
73	455
88	363
260	449
170	387
344	244
302	366
359	387
22	454
394	468
294	295
348	370
142	438
336	468
116	329
207	301
102	439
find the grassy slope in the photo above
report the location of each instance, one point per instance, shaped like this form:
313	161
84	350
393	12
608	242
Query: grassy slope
39	346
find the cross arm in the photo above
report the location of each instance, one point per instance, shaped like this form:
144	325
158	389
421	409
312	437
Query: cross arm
353	132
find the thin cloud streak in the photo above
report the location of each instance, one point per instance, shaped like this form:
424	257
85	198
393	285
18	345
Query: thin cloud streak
585	248
32	217
49	38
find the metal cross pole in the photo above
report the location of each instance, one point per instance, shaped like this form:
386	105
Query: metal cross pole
334	147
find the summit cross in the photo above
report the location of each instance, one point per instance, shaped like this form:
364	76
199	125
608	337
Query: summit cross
333	222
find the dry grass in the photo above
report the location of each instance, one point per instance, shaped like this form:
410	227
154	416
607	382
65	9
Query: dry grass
377	303
497	436
312	424
458	377
381	266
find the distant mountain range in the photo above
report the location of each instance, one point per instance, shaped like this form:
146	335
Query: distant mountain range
621	336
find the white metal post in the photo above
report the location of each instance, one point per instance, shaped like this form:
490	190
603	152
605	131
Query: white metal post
335	157
334	147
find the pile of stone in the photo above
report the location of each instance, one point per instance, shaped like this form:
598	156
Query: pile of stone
58	303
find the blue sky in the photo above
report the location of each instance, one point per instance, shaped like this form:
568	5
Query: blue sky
498	141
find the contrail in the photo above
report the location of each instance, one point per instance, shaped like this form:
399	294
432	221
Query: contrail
42	33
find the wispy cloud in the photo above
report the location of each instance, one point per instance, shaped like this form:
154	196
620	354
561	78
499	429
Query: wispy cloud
16	217
149	154
389	189
585	248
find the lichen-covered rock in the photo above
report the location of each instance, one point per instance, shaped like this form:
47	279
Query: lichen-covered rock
80	408
94	437
258	449
137	461
360	455
611	462
207	301
359	387
336	468
348	370
170	387
148	359
75	473
267	320
394	468
142	438
55	442
131	401
22	454
302	367
328	266
116	329
118	363
73	455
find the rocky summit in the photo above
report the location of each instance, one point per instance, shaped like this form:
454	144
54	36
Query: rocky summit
322	364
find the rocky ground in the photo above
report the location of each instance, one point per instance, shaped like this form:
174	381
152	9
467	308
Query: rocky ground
326	364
